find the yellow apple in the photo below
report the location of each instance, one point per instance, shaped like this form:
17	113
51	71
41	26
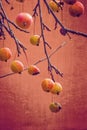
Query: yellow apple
57	88
47	84
33	70
54	6
35	40
5	54
55	107
17	66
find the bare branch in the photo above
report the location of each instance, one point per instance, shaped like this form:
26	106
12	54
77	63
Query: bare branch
7	1
35	10
61	25
45	26
41	60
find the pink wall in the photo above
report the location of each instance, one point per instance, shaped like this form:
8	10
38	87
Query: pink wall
23	103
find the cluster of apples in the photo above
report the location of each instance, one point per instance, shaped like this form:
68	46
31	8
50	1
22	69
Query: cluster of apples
24	20
16	65
76	8
48	85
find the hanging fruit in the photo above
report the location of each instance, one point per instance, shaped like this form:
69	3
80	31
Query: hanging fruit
76	9
35	40
33	70
24	20
5	54
54	6
55	107
57	88
17	66
47	84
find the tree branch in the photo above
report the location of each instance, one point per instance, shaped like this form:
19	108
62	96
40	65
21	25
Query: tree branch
60	23
43	59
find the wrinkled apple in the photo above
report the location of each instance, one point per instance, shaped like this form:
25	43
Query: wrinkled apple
33	70
54	6
76	9
24	20
35	40
17	66
47	84
5	54
55	107
57	88
70	1
63	31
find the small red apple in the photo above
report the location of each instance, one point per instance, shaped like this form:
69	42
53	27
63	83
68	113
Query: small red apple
33	70
70	1
47	84
24	20
35	40
55	107
17	66
77	9
5	54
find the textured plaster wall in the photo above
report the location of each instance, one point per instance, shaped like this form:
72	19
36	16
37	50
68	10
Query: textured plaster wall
23	103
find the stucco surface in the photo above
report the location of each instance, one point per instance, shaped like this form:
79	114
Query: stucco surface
23	103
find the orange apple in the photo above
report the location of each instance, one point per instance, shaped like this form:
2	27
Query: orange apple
33	70
55	107
54	6
47	84
35	40
17	66
20	0
24	20
5	54
76	9
57	88
70	1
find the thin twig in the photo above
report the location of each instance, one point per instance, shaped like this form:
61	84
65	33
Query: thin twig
35	10
7	1
41	60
